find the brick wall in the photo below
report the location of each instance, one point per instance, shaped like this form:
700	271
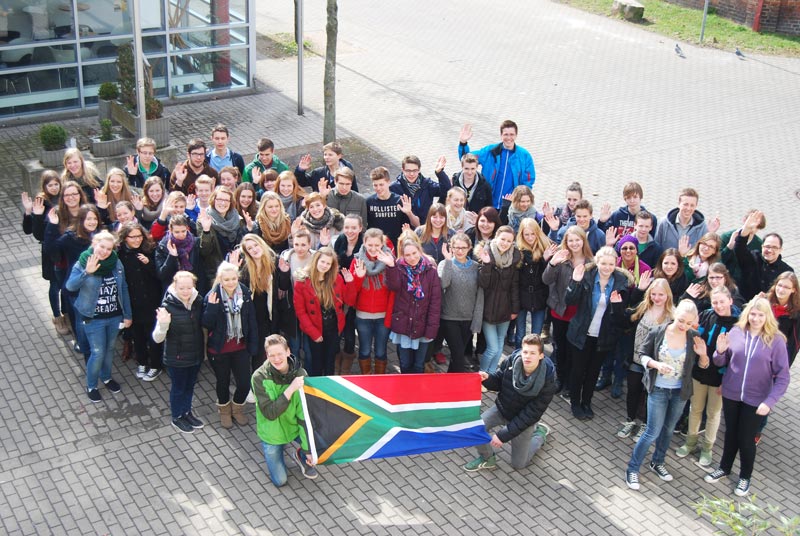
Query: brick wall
782	16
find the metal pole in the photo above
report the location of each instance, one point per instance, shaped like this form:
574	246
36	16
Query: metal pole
703	26
299	37
138	65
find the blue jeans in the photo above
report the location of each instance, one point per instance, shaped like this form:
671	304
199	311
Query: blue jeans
101	334
664	408
182	389
495	337
412	361
537	321
372	330
273	455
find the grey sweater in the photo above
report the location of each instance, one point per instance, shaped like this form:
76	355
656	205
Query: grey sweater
462	298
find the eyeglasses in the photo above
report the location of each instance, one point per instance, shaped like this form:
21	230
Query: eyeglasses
73	194
459	248
411	171
197	155
715	277
765	246
223	200
632	248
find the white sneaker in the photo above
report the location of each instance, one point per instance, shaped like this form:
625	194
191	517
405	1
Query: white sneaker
251	398
152	374
140	371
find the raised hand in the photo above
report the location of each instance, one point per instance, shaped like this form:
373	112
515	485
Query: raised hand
386	258
348	277
547	209
235	257
180	173
750	224
611	236
213	298
323	187
136	201
163	316
256	175
683	245
644	279
732	241
552	221
38	205
446	253
100	198
92	263
616	297
484	255
144	259
191	201
507	197
441	163
27	203
204	220
605	212
361	268
52	216
578	272
305	162
694	290
325	236
405	228
713	225
550	252
700	346
283	266
560	256
130	165
172	249
722	343
466	133
470	217
248	221
405	205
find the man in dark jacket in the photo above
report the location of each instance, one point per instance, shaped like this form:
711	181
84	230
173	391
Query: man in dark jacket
525	385
759	268
419	188
479	191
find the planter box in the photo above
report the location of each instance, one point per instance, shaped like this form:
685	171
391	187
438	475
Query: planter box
52	159
113	147
158	129
103	109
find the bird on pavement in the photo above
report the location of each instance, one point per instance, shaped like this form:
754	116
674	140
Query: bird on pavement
678	50
739	53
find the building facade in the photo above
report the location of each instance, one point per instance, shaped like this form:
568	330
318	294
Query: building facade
54	54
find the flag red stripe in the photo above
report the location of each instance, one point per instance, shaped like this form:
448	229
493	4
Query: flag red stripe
422	388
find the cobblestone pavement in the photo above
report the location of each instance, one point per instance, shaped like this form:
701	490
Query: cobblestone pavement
596	100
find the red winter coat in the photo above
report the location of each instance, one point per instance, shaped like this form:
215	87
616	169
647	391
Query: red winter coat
415	318
308	310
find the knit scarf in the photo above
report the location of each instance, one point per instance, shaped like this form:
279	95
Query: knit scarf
226	226
289	205
184	247
413	282
515	216
413	187
698	266
106	266
634	271
233	311
501	260
315	225
532	385
374	268
455	221
274	232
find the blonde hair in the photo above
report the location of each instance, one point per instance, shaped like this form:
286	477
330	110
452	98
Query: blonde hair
518	193
686	306
297	191
647	303
184	273
124	194
580	233
540	240
770	330
260	270
103	235
90	173
223	267
324	288
605	251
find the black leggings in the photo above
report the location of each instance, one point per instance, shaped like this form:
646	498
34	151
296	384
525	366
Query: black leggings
636	396
148	352
741	426
586	365
563	351
223	365
323	354
456	333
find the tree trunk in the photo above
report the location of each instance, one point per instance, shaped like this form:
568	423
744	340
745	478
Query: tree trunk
332	30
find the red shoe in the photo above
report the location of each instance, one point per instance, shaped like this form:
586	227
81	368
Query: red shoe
440	358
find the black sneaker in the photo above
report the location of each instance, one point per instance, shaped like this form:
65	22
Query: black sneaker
632	480
715	476
661	470
587	411
565	395
183	425
193	421
577	412
94	396
112	386
309	471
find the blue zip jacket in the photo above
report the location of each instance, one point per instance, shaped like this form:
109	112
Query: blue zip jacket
88	288
491	159
421	201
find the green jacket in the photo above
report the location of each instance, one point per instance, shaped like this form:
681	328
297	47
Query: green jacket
277	165
278	420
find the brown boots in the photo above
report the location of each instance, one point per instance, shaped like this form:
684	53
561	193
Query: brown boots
61	323
380	366
127	350
347	363
365	365
238	414
230	412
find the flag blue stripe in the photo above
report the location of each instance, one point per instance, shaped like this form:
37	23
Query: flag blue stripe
409	442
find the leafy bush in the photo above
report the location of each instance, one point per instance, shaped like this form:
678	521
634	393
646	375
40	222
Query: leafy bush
153	108
53	137
108	91
127	76
746	518
106	134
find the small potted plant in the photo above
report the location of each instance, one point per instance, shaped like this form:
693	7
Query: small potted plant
54	144
108	143
108	91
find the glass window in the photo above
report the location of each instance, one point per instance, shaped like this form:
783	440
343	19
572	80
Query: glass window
34	91
206	71
207	38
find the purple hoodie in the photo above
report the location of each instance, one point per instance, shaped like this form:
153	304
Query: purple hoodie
756	373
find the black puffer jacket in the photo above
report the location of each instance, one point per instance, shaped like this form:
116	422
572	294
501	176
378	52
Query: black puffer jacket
183	346
532	291
521	411
580	293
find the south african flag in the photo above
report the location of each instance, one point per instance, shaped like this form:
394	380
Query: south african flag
353	418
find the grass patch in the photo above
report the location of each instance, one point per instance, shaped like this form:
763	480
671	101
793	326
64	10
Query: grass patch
683	24
280	45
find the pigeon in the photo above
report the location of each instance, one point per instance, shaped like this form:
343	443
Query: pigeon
739	53
678	50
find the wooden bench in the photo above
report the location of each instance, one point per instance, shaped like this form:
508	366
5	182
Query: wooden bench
629	9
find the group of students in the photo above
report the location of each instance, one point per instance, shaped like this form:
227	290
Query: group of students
231	261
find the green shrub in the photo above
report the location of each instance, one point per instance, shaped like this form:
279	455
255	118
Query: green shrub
108	91
153	108
53	137
106	134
